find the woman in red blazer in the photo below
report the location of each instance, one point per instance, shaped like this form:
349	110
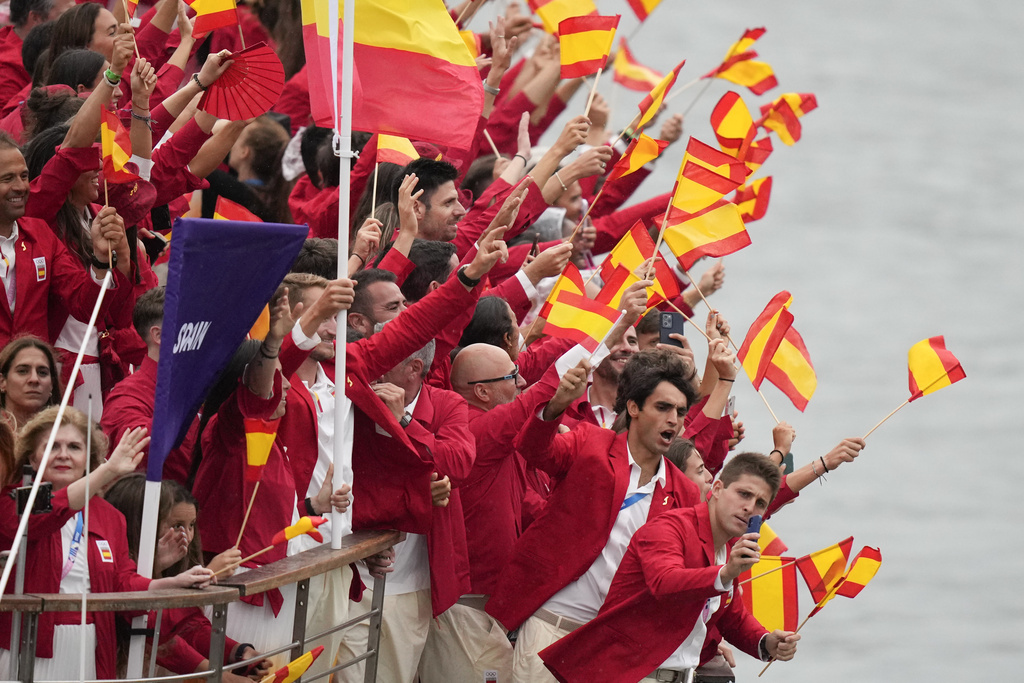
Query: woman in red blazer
58	545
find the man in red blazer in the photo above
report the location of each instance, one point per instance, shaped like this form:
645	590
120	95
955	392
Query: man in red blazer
35	266
606	485
674	583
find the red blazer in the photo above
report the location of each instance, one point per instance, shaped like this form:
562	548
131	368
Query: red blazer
130	404
440	432
13	76
45	560
590	470
60	281
665	577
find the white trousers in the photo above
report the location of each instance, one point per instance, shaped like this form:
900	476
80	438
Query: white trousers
403	633
534	636
465	643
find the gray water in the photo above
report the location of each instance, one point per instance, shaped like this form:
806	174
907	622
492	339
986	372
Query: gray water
895	218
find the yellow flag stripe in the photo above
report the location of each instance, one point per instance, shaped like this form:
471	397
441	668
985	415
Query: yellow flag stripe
926	366
257	447
789	359
212	6
713	226
585	46
412	25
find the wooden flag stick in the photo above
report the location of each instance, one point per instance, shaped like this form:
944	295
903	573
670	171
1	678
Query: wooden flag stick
106	193
593	91
623	131
770	571
586	213
240	36
796	631
373	199
675	93
238	564
661	237
465	11
128	20
248	509
886	418
494	147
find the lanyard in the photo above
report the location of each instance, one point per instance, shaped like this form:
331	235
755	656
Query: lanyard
76	540
632	500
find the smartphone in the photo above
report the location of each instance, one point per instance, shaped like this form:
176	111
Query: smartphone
730	407
787	463
754	525
533	249
671	323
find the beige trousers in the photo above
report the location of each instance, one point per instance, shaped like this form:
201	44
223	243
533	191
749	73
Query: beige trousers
328	606
463	644
403	633
534	636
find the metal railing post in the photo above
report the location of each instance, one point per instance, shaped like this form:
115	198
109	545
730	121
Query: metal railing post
373	637
28	647
218	623
299	618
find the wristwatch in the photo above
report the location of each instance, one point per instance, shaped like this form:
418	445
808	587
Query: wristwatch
406	419
465	279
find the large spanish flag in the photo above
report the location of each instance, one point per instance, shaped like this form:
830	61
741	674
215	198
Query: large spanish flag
212	14
791	370
584	43
752	199
117	149
583	320
650	105
316	38
641	150
740	67
417	76
861	571
932	367
631	74
824	568
733	125
784	113
764	336
771	598
554	12
643	8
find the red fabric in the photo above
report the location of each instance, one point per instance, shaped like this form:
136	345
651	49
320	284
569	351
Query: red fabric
49	190
170	175
185	639
45	559
65	285
223	493
18	98
480	216
130	404
399	264
299	198
322	211
503	124
294	101
665	577
227	38
710	436
590	470
13	76
612	227
492	495
617	192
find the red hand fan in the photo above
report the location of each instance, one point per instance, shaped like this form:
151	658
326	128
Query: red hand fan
249	87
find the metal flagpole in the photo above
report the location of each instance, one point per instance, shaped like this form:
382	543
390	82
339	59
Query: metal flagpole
343	148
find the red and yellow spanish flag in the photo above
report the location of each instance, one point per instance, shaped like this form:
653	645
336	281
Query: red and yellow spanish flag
772	598
715	231
824	568
316	38
740	67
650	105
643	8
764	336
418	42
635	247
227	210
259	440
472	41
705	176
784	114
569	281
554	12
733	125
770	543
396	150
305	525
791	370
932	367
212	14
631	74
117	149
585	321
585	43
752	199
758	153
292	671
641	150
861	571
131	6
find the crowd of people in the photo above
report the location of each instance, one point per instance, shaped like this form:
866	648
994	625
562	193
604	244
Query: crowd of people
570	514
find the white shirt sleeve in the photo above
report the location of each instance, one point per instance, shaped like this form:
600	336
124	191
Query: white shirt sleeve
301	340
528	288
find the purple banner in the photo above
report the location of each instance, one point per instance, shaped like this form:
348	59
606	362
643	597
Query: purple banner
220	275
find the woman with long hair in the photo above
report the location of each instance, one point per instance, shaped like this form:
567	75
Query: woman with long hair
58	545
28	378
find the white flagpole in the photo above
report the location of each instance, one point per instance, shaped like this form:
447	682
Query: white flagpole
84	543
23	524
344	150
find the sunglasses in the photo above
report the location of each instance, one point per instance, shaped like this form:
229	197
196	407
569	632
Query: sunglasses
513	375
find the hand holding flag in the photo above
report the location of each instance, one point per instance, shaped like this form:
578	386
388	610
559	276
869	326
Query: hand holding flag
305	525
294	669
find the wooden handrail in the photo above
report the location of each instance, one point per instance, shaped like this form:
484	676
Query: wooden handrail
312	562
22	603
137	601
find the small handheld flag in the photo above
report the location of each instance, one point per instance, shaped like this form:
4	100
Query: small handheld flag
585	43
259	439
740	67
294	669
554	12
117	149
305	525
932	367
822	569
631	74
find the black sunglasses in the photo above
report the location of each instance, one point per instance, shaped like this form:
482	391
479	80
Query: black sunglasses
514	374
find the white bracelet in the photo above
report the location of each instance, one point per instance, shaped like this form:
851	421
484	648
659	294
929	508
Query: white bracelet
490	89
562	182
